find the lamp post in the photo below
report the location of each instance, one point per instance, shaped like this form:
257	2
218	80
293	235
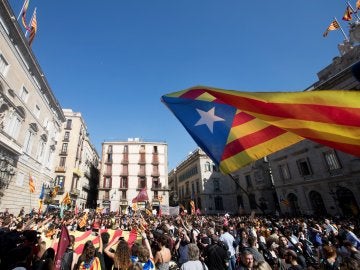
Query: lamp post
7	171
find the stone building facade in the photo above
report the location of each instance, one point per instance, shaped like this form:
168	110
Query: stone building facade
76	163
30	119
199	180
129	166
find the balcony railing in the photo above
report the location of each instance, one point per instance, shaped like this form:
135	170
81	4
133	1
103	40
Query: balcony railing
86	186
63	153
123	187
139	187
75	192
141	173
122	198
155	173
125	159
124	172
105	187
155	159
156	186
107	173
60	169
142	159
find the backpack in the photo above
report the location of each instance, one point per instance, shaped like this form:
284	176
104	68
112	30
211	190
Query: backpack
66	260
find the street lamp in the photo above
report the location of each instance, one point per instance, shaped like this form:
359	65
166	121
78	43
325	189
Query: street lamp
6	172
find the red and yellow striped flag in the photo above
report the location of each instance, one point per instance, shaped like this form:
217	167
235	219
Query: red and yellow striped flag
236	128
334	25
83	220
358	4
31	184
348	14
66	200
33	28
55	191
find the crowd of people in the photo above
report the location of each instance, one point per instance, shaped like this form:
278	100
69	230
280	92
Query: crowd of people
179	242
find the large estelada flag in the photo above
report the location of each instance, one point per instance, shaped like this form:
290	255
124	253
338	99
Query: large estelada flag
81	237
236	128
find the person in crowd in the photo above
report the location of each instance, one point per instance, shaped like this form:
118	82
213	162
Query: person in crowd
330	261
46	262
163	256
89	259
193	262
121	256
215	254
291	258
181	246
229	240
253	248
352	251
246	260
108	262
69	258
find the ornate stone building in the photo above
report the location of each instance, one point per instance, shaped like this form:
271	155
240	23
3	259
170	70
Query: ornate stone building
30	119
130	166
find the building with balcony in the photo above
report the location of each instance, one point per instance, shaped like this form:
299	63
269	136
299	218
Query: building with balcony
77	162
309	178
30	119
198	179
130	166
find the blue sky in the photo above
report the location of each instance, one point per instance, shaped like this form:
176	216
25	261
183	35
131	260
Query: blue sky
113	60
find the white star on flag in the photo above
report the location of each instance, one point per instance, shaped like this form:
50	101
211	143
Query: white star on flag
208	118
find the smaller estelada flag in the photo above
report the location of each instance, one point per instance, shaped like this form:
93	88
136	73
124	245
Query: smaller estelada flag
334	25
83	221
348	14
64	243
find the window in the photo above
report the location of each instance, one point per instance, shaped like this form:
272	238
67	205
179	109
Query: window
68	124
155	149
66	136
187	192
197	187
142	182
259	175
62	162
332	161
37	111
216	184
60	181
248	181
252	201
284	172
13	125
109	150
24	94
40	152
207	167
123	195
142	149
29	138
126	149
218	203
109	157
4	66
107	182
192	188
64	148
304	167
124	182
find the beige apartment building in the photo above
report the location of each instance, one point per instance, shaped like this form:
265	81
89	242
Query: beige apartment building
198	179
30	119
76	170
129	166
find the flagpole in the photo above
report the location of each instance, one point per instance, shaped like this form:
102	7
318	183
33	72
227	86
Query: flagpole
29	26
354	11
342	31
21	10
